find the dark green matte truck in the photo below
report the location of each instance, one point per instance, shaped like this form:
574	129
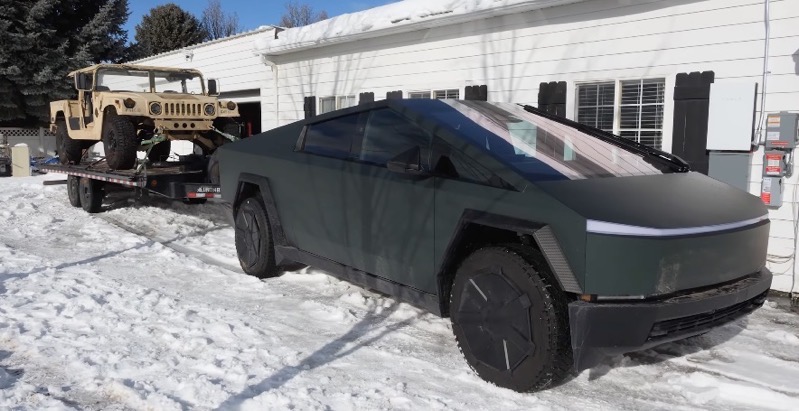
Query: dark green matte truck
548	243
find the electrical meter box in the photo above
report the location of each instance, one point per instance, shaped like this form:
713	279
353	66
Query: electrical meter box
774	164
771	191
782	130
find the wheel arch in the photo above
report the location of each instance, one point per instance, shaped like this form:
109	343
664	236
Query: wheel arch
477	229
251	184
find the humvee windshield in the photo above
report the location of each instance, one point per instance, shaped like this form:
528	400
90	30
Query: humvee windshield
539	148
113	79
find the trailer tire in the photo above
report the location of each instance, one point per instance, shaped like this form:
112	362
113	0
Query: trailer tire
91	195
120	141
69	151
73	190
160	151
510	319
254	244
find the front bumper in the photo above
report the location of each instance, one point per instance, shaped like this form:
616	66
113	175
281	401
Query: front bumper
601	329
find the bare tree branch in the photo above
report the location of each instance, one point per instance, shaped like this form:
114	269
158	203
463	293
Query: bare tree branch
298	15
217	23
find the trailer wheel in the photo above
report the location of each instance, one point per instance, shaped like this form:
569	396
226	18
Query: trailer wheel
160	151
510	319
91	195
69	150
73	190
120	141
254	239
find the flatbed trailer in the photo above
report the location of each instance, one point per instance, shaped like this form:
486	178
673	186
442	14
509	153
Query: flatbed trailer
186	179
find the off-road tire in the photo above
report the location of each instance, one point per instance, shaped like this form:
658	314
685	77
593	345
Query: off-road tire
73	190
254	244
91	195
69	151
510	319
160	151
120	142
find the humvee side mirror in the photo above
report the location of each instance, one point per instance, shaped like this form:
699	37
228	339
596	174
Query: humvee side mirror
212	89
83	81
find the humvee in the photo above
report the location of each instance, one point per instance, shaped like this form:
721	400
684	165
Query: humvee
133	107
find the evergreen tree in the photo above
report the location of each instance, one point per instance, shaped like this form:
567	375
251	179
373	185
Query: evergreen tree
168	27
43	40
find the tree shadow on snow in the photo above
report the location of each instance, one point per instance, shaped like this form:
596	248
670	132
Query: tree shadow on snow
332	351
703	343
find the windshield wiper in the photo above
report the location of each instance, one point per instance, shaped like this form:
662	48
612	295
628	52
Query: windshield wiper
674	162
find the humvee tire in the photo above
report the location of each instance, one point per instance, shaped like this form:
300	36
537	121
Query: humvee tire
510	319
73	190
160	151
120	141
69	151
91	195
254	245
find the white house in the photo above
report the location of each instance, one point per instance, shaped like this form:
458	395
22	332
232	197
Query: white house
614	64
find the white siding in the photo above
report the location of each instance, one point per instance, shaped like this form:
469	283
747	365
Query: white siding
232	61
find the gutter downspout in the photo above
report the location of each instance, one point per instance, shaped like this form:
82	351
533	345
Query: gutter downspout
268	60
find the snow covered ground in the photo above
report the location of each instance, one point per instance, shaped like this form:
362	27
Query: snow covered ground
105	312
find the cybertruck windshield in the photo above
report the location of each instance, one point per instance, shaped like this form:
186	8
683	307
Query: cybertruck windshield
540	148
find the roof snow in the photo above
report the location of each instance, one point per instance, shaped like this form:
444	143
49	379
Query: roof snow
393	18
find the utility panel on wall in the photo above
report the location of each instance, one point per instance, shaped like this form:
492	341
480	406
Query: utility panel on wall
731	116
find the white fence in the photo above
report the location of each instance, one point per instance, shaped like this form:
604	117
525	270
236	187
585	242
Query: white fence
39	140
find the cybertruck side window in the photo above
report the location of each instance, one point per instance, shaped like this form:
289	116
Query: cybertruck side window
332	138
387	135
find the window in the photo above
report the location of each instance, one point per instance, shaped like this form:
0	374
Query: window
458	166
387	135
328	104
639	107
436	94
442	94
332	138
595	105
419	94
641	111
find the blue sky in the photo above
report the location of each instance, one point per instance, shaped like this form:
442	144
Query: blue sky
252	13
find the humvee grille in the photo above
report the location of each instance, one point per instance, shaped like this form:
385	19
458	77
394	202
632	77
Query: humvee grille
182	109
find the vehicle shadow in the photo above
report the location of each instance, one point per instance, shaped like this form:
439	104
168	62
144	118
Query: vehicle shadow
668	351
8	376
330	352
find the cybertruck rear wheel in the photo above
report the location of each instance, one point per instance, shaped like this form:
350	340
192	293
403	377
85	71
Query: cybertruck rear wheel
510	319
254	245
120	141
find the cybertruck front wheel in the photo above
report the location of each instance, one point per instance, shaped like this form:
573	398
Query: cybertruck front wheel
510	319
254	245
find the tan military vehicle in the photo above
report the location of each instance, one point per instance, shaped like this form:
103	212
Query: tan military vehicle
140	108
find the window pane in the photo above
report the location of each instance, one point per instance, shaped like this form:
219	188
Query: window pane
419	94
345	101
326	104
595	105
641	110
442	94
332	137
387	135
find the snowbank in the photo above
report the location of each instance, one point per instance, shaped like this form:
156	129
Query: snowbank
144	307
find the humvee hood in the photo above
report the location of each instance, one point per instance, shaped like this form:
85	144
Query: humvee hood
665	204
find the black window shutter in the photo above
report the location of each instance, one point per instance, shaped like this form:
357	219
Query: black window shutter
552	97
394	95
691	110
310	106
365	98
479	93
